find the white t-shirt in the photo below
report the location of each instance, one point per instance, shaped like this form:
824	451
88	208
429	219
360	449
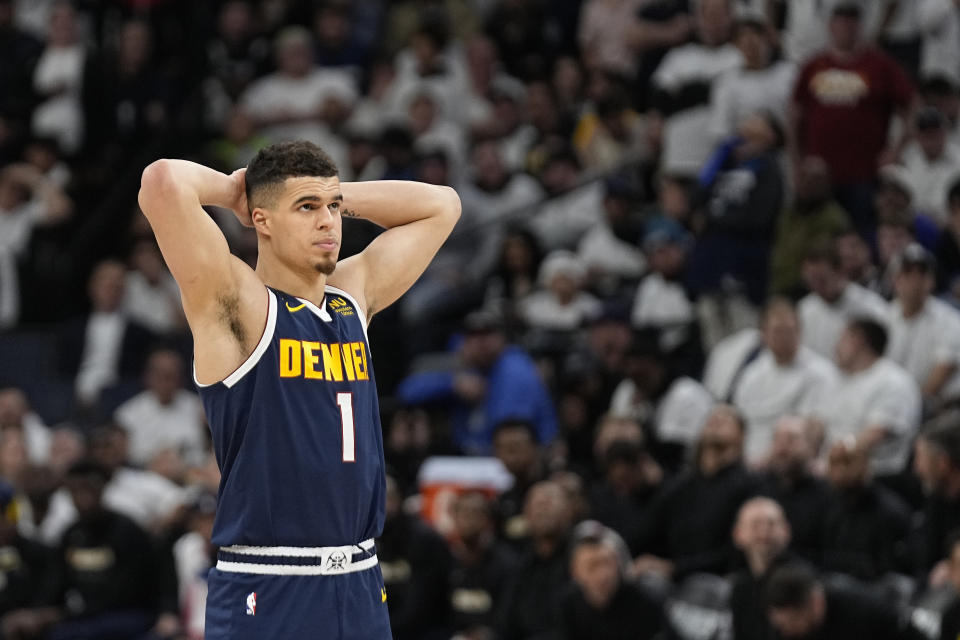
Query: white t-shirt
883	395
929	338
679	416
822	322
767	391
601	250
562	221
744	92
931	181
940	23
16	227
725	360
154	427
100	362
156	307
542	310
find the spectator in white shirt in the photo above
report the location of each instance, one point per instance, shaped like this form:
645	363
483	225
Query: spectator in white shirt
16	414
150	294
943	94
873	400
832	302
683	83
924	331
783	378
560	304
931	164
761	86
165	415
609	249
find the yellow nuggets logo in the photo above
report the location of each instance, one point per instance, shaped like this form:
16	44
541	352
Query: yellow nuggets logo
341	306
321	361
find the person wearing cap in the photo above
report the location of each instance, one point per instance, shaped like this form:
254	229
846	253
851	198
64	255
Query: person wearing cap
849	93
661	302
560	303
490	381
930	163
873	401
924	331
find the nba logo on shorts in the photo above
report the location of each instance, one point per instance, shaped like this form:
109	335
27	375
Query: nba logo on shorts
252	603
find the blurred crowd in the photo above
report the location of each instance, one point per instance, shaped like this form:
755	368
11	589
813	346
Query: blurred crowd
693	348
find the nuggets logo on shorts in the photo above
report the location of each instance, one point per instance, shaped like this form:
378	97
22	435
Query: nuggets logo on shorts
252	603
337	561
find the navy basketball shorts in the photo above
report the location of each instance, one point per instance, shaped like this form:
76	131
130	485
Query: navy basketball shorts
296	593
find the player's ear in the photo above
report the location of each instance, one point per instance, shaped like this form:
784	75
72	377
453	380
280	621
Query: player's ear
260	218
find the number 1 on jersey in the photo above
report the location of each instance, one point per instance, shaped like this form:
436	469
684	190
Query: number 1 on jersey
345	402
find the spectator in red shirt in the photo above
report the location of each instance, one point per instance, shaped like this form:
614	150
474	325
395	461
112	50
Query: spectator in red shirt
843	102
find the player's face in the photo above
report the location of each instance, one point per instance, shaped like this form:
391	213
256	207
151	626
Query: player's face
306	225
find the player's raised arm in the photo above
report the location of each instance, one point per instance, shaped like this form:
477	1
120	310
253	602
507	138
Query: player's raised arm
171	195
418	218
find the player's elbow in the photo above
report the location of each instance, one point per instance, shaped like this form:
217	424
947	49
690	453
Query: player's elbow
450	206
155	182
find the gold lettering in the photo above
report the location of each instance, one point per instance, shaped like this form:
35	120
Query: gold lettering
348	362
331	362
360	360
310	358
289	358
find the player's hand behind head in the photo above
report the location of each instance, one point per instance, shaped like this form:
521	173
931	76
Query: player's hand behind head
240	207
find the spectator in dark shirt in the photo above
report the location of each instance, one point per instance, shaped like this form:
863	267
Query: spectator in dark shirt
866	528
950	622
481	567
515	445
113	579
790	481
532	602
762	534
622	500
937	463
415	563
801	606
948	246
602	605
850	92
691	519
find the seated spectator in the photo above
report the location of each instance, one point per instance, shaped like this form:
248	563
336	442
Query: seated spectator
948	247
27	200
856	261
165	415
604	35
873	400
942	92
742	189
560	303
16	414
673	407
790	480
515	276
481	567
574	203
783	377
867	526
604	604
691	519
609	250
515	445
610	133
896	199
800	605
931	163
193	557
113	581
533	600
416	564
492	381
27	573
662	303
914	317
833	301
895	231
622	499
850	91
813	217
101	349
936	463
762	85
683	83
151	297
762	534
950	622
727	360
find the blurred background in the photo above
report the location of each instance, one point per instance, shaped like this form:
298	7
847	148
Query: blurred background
688	367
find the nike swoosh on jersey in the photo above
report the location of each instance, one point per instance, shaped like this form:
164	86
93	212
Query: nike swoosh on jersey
295	309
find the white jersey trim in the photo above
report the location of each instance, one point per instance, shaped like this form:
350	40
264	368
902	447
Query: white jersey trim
258	351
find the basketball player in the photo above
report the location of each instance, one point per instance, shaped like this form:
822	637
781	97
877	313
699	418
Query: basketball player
283	365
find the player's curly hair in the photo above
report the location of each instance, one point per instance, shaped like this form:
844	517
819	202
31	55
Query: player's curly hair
277	162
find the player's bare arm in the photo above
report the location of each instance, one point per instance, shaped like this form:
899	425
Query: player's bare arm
418	218
224	301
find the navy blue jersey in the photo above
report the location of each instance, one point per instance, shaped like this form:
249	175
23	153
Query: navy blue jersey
296	430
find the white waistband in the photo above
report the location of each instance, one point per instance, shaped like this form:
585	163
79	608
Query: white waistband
332	560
